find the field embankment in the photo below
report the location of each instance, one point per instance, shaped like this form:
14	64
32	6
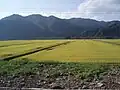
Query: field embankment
106	51
34	50
80	51
60	64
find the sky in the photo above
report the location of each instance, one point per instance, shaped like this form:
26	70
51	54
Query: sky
106	10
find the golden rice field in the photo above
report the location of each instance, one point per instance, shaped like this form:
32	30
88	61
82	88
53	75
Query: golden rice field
75	51
113	41
16	47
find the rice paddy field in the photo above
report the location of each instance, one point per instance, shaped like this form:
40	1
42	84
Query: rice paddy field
8	48
113	41
75	51
60	64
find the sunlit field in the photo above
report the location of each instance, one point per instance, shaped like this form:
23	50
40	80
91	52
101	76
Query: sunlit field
113	41
81	51
8	48
34	61
75	51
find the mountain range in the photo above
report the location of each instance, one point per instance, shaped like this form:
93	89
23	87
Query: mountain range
17	27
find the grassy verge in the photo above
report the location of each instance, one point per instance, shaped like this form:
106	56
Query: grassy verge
34	74
54	69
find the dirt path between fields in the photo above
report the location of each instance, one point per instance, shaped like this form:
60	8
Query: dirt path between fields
34	51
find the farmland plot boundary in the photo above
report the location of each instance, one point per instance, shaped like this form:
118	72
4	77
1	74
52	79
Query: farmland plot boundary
17	44
35	50
113	43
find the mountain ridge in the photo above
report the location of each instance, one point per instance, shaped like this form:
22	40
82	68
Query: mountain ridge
36	26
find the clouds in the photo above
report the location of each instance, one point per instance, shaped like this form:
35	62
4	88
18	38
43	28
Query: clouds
95	9
106	10
100	9
38	5
45	7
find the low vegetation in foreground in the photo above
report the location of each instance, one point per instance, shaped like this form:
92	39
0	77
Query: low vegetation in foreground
76	64
56	75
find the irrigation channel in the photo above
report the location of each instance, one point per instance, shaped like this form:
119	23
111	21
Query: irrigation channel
7	58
